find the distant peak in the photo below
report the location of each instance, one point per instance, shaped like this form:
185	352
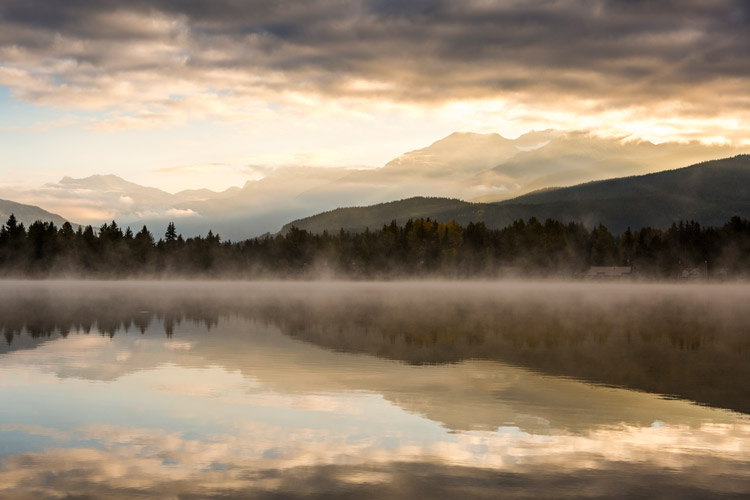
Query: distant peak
470	138
107	176
474	135
95	177
537	136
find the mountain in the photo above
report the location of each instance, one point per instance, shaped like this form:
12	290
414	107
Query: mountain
461	151
258	207
467	166
102	198
131	201
489	167
709	193
27	214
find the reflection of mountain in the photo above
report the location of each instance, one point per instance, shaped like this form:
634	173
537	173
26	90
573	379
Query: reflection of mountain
710	193
474	167
656	339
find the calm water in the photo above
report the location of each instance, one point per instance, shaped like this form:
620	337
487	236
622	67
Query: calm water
417	390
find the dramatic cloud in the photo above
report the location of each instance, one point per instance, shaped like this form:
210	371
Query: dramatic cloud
672	69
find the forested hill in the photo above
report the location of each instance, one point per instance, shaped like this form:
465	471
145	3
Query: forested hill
27	214
709	193
356	219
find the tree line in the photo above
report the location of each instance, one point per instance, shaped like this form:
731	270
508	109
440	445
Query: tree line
418	248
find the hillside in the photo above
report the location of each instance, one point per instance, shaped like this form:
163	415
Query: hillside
27	214
359	218
709	192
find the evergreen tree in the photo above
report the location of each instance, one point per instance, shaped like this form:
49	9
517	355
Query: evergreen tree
171	234
419	247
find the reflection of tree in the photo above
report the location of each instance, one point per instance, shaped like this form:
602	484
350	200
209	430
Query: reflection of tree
45	314
669	344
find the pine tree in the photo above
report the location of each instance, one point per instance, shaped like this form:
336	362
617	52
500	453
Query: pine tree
171	234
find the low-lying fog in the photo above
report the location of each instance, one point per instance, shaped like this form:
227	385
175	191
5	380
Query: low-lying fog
684	340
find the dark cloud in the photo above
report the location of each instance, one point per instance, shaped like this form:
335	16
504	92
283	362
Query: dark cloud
622	53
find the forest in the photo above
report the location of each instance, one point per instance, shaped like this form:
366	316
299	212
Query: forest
420	248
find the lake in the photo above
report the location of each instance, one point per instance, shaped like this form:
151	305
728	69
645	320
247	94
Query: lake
197	390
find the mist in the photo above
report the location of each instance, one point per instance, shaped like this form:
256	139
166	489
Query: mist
660	338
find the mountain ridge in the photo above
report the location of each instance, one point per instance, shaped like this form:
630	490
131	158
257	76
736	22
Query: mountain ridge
708	192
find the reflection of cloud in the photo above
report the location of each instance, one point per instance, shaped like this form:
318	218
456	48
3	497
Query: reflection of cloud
324	403
123	356
37	430
178	345
247	407
149	461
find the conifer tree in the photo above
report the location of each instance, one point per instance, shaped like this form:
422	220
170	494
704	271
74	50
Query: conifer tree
171	234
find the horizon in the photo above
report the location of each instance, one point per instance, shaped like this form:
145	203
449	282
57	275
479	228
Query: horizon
196	223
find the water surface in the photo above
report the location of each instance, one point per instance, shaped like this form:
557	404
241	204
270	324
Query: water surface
373	390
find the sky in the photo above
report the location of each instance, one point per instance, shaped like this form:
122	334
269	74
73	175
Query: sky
183	94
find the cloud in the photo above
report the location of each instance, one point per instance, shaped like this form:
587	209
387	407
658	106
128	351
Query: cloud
181	212
154	64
